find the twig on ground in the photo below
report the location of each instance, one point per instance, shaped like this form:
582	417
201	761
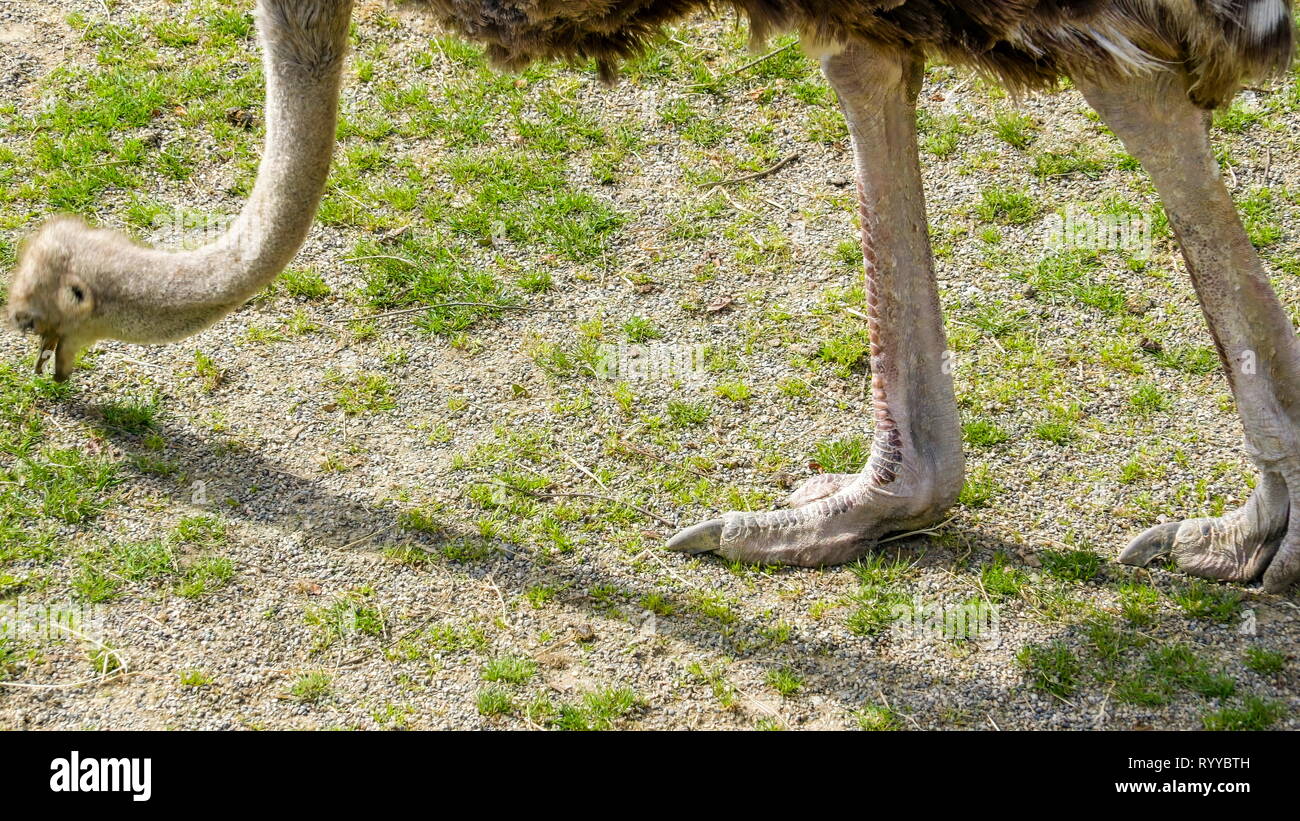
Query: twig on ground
757	60
149	365
891	709
97	681
579	466
742	209
924	531
384	529
545	495
383	256
417	628
745	694
338	190
1101	713
617	501
104	676
652	455
757	175
505	611
416	310
692	45
990	337
653	554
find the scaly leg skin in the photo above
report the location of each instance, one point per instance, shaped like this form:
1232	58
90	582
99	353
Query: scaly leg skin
915	471
818	487
1256	343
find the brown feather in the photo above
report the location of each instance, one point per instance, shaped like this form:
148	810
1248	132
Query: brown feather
1025	44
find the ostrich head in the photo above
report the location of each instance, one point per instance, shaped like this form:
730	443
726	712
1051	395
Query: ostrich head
76	285
51	294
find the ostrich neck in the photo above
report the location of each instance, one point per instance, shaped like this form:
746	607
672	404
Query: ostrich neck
304	43
301	119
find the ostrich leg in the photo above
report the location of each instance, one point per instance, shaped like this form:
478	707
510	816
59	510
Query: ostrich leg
916	468
1256	342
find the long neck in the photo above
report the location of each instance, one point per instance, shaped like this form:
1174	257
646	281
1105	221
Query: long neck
304	42
304	45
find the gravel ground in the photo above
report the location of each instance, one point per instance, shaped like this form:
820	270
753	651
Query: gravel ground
316	504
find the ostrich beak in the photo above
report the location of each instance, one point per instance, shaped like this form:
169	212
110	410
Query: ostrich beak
64	355
48	343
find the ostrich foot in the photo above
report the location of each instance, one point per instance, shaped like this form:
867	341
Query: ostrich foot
1262	537
915	469
837	519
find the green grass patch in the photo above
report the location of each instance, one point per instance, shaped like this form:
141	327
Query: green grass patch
510	670
1071	565
1211	602
1255	713
363	393
1007	206
1265	662
1052	668
847	455
311	688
